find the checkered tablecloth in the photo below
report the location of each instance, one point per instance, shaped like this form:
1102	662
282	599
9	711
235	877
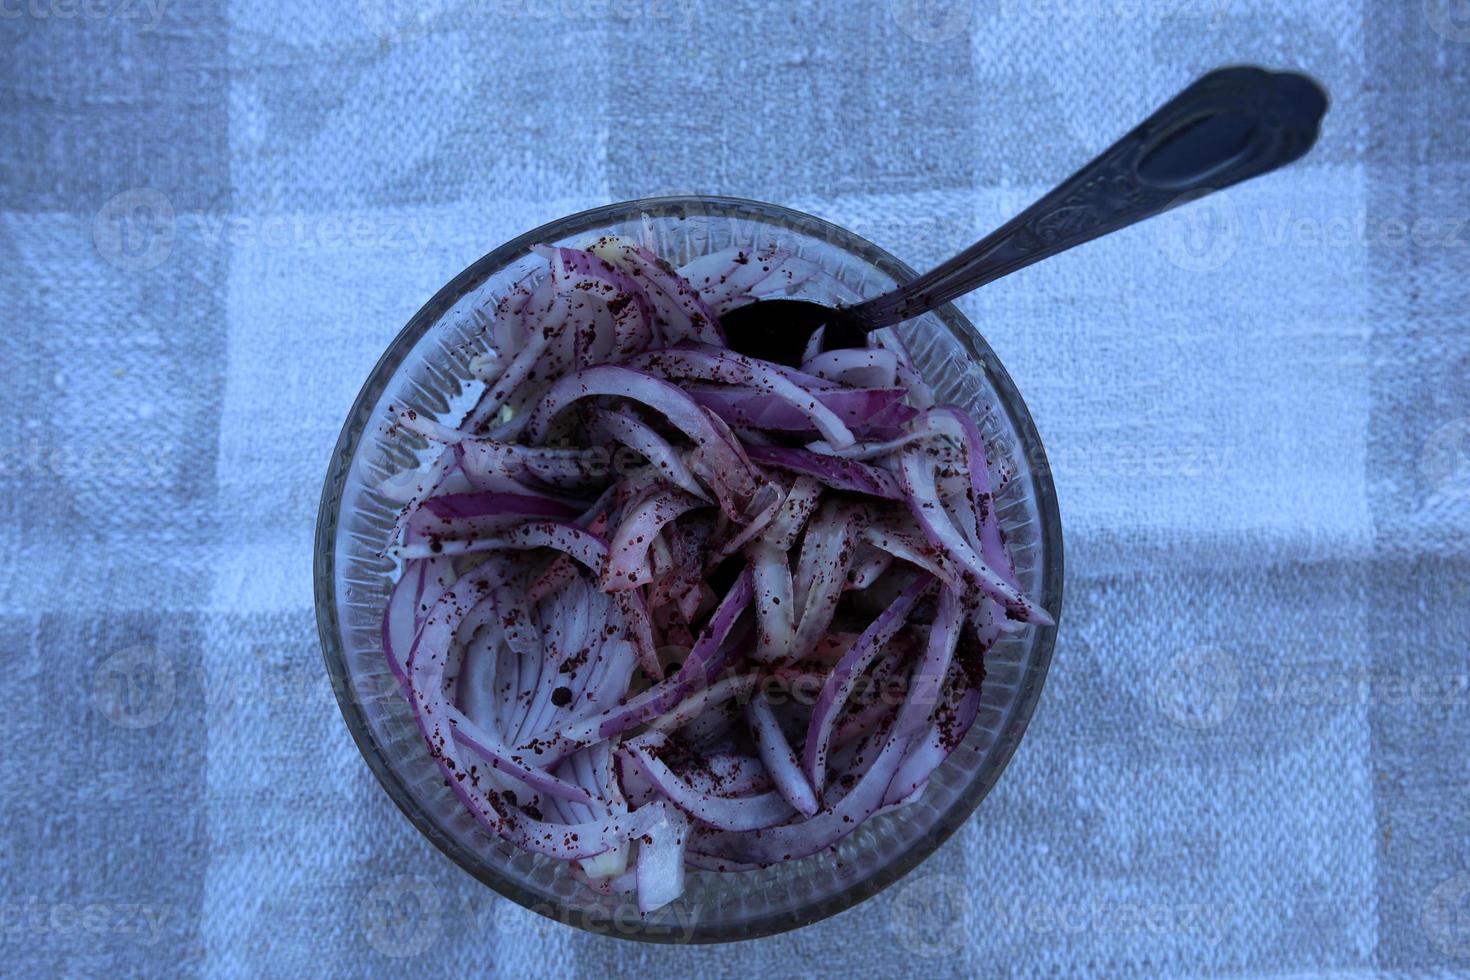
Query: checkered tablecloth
1250	756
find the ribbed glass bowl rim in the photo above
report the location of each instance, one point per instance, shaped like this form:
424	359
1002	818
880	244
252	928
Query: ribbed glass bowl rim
328	625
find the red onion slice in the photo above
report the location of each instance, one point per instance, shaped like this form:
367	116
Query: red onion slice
867	367
775	606
839	474
839	684
443	725
778	757
682	312
660	871
708	657
724	467
918	480
730	368
642	439
865	409
627	562
742	813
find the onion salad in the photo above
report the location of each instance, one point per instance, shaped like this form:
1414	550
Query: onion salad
660	605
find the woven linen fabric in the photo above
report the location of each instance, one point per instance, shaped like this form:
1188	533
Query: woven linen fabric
1249	757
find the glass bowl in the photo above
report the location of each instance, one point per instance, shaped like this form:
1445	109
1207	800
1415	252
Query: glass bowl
426	369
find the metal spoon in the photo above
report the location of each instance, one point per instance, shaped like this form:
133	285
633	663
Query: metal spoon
1228	126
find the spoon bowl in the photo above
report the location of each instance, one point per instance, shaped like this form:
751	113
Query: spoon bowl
779	330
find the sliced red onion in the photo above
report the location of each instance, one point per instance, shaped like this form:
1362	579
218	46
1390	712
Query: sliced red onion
839	684
519	368
746	405
775	603
565	623
869	569
865	367
933	746
821	571
417	590
726	813
575	571
929	674
706	660
683	312
592	274
801	379
920	394
931	424
627	565
724	467
918	480
576	841
736	686
695	600
735	774
766	506
792	841
799	504
510	326
569	538
557	576
474	688
413	488
722	276
467	515
443	725
483	459
814	344
778	757
915	551
992	543
430	429
639	629
642	439
660	871
730	368
839	474
687	542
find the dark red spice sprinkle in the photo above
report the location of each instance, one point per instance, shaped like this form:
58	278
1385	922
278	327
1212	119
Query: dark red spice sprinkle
561	697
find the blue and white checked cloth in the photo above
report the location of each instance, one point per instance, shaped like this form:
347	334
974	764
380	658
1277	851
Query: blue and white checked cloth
1250	756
